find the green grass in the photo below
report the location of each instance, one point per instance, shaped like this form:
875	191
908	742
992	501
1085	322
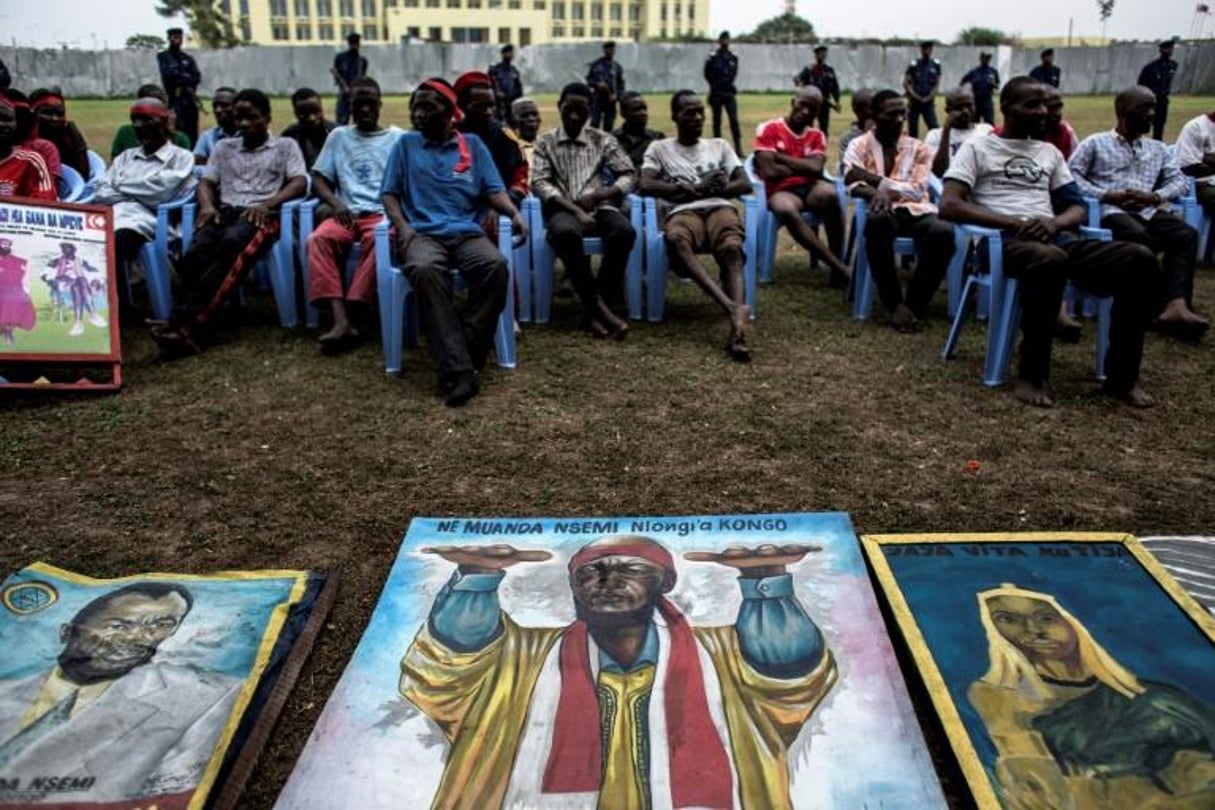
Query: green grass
262	453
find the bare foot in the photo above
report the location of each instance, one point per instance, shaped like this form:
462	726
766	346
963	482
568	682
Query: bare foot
1135	396
1033	393
617	328
1067	328
736	347
904	320
741	318
597	329
338	332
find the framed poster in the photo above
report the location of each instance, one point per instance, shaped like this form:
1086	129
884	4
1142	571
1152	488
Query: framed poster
58	297
1068	670
621	662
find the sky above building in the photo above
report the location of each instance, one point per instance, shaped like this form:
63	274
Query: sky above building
53	23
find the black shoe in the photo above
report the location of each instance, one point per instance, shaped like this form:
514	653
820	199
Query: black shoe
466	386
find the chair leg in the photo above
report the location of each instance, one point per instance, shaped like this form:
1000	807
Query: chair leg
1001	332
656	278
959	319
156	274
767	247
955	275
864	288
504	338
1105	309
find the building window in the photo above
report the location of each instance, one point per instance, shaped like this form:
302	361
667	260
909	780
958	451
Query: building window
578	31
614	13
692	13
324	32
278	32
503	36
662	12
538	5
616	33
514	5
597	31
368	8
662	32
301	8
411	3
559	10
474	35
432	3
435	34
324	8
494	3
576	11
278	8
371	32
347	7
454	4
634	13
474	3
635	34
303	31
246	30
558	32
596	11
390	3
525	37
413	32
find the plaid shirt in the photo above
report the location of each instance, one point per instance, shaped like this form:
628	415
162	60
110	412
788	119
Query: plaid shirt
571	167
1108	162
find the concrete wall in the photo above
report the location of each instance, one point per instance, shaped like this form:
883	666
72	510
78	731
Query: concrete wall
650	67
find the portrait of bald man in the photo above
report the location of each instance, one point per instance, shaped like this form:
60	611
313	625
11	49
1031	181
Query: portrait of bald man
629	705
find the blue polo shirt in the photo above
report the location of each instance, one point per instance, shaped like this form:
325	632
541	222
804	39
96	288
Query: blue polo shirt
437	200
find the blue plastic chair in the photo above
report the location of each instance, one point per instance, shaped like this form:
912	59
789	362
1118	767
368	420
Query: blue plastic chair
96	166
72	187
399	316
154	255
1005	307
544	261
656	264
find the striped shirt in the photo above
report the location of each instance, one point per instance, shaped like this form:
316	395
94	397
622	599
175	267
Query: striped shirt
249	176
24	174
570	167
1109	162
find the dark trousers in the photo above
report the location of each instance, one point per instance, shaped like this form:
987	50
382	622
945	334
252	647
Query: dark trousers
934	242
917	110
185	107
220	255
342	113
603	113
459	339
824	117
729	103
985	110
127	244
1127	272
1206	195
565	234
1162	116
1167	234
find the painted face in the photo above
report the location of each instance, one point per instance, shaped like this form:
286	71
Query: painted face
51	117
308	112
528	121
690	118
1034	627
365	109
891	117
148	128
479	109
635	112
575	111
6	247
221	106
123	635
429	113
617	584
250	121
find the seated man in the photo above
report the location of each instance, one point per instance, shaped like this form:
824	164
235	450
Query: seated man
1196	157
701	176
225	126
891	170
634	134
23	173
436	186
125	137
862	122
53	124
1016	183
27	135
789	156
1132	176
245	183
139	180
347	177
572	164
526	115
311	128
960	126
477	104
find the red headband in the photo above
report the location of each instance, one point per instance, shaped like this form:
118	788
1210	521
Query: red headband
150	109
7	102
473	78
447	92
650	552
47	101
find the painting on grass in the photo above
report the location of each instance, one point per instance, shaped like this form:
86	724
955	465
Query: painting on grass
1191	560
621	662
1068	670
143	691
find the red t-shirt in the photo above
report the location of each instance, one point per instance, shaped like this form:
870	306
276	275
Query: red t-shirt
775	136
49	153
24	174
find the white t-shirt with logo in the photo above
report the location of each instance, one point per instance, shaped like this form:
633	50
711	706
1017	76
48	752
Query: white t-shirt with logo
957	137
1011	177
676	163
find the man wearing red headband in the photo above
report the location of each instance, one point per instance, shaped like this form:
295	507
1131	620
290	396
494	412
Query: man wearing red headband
23	173
53	124
629	706
478	108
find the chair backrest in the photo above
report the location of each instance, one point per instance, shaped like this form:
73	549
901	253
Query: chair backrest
96	166
71	184
752	174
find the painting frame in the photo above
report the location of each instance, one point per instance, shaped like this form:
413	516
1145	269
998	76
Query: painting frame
962	744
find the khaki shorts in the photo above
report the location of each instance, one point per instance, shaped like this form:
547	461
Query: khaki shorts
708	229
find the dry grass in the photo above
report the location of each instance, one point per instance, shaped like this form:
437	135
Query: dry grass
261	453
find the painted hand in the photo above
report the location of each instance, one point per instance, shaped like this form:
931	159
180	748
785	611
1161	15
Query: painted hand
486	559
762	561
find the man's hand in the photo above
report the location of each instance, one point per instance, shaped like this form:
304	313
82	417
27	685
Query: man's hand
755	563
880	202
1116	198
486	559
205	214
588	201
344	216
518	230
585	220
1141	199
712	185
257	214
404	237
685	192
1038	229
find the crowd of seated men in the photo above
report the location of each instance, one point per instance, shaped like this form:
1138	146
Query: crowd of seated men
443	184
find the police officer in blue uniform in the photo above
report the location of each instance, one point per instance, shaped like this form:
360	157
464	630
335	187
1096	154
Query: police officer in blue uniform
180	78
822	76
1046	72
721	68
606	79
984	81
1157	76
347	66
920	82
508	85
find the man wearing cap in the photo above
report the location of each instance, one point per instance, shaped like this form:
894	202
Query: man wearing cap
507	84
822	76
720	70
606	78
180	78
628	706
23	172
1047	72
437	185
984	80
140	179
920	82
347	66
475	98
1157	76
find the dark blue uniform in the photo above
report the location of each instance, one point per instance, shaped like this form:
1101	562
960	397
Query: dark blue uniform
508	86
180	78
923	76
603	108
1157	76
1047	75
823	77
720	70
983	80
347	66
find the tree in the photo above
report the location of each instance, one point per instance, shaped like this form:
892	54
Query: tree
210	26
145	42
988	37
785	28
1104	9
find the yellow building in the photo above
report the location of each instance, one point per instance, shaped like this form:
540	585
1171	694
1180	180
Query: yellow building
522	22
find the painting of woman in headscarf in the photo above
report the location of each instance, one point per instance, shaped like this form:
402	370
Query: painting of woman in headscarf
1076	730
